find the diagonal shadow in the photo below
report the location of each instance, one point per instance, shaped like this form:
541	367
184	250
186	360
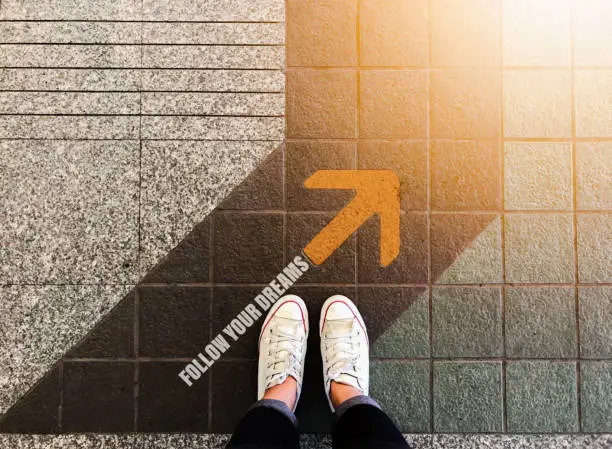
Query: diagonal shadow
123	376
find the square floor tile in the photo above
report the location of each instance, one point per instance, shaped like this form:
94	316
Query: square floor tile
262	189
397	319
174	321
38	410
595	319
592	32
321	104
393	33
539	248
596	396
465	104
594	175
182	182
537	103
303	159
466	322
407	403
407	159
321	33
536	33
465	175
112	336
98	396
166	403
595	248
228	303
465	33
541	397
538	175
248	247
466	249
410	266
339	268
393	104
468	397
593	103
541	322
234	383
69	211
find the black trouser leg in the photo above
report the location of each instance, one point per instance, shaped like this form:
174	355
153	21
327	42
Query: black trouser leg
265	428
365	426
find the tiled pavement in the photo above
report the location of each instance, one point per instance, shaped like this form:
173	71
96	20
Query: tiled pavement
496	316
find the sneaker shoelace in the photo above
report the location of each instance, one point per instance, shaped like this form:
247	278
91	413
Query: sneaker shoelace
285	355
344	352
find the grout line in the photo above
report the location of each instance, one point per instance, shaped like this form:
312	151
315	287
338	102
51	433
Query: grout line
575	218
136	337
127	91
119	21
356	140
136	44
139	114
60	407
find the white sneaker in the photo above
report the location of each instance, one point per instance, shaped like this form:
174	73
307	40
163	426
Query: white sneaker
344	345
282	344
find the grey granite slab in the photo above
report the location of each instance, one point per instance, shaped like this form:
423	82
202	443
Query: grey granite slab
68	127
213	80
212	128
70	32
42	55
70	9
39	324
69	211
69	103
70	79
215	56
521	441
211	103
213	33
215	10
182	181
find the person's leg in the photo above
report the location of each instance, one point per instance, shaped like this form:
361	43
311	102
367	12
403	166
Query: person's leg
361	424
270	422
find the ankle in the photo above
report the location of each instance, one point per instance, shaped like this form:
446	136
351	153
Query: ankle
340	393
285	392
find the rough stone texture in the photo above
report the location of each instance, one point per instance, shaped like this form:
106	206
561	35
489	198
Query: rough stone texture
39	323
593	103
539	248
388	111
247	104
537	103
68	127
321	33
182	182
480	262
408	403
466	322
594	175
592	33
312	104
213	33
465	33
70	211
596	394
467	397
70	10
70	32
70	79
536	33
521	441
393	33
595	248
541	397
538	176
541	322
72	103
44	55
465	104
213	57
212	128
214	10
595	319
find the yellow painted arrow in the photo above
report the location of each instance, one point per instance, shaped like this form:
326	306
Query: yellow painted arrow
376	192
